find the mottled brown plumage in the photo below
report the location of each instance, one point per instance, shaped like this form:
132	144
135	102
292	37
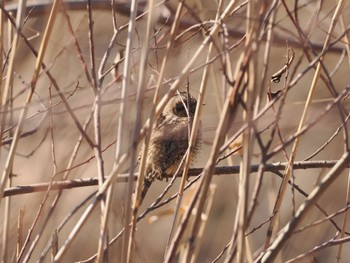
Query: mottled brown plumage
169	140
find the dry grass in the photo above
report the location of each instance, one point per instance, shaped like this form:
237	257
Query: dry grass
81	84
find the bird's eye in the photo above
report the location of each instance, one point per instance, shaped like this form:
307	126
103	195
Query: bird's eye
180	107
180	110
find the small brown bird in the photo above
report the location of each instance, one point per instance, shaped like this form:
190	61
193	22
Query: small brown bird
169	140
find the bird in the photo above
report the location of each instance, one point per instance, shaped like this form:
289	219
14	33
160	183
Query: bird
170	140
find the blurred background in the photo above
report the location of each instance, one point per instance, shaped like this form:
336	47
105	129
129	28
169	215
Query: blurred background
86	54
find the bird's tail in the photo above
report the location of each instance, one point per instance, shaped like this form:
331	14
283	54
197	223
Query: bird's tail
146	185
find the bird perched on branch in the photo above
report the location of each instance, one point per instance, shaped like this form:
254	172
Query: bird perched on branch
170	139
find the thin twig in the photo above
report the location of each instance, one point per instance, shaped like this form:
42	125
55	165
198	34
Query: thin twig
225	170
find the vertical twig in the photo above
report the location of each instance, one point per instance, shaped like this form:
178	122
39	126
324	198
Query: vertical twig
76	43
6	227
102	250
54	244
103	239
19	21
7	207
205	219
2	51
110	45
141	89
19	232
121	133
